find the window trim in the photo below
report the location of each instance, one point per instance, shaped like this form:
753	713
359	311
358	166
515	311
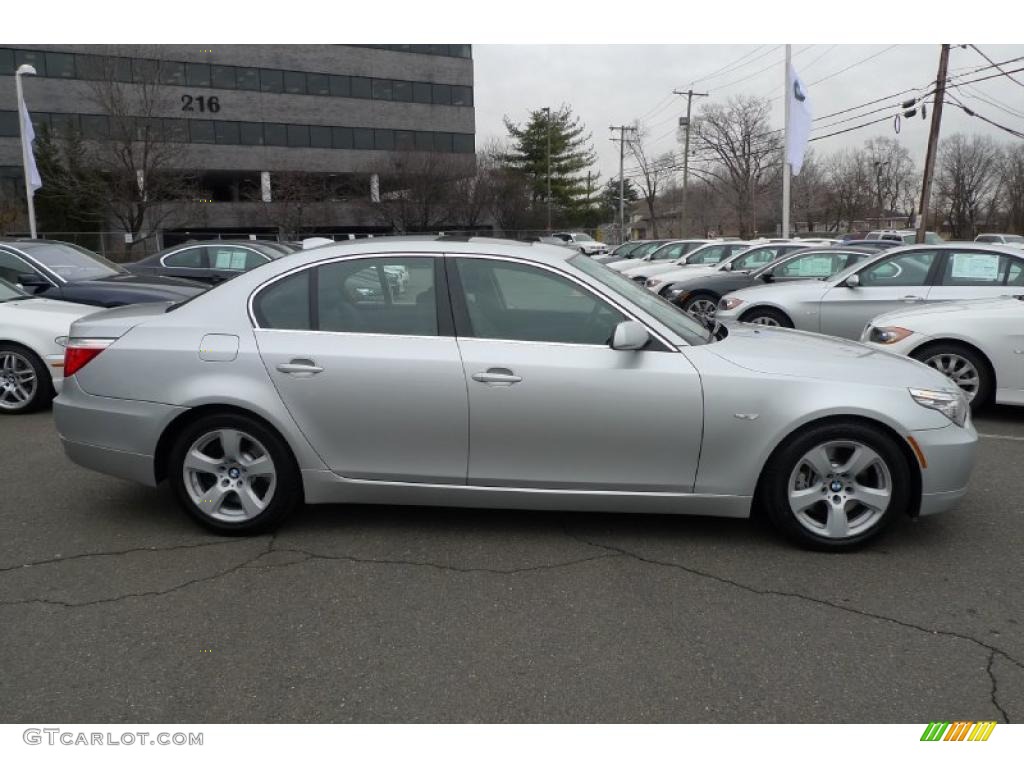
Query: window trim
445	327
53	277
930	278
461	313
165	265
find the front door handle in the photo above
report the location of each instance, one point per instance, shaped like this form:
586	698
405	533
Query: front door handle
497	376
300	367
913	298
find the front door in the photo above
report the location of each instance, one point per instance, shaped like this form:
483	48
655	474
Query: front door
897	282
368	368
551	404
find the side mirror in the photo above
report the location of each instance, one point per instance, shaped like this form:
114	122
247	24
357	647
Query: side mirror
630	335
727	267
767	275
30	281
852	281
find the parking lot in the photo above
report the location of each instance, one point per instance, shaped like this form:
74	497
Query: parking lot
114	607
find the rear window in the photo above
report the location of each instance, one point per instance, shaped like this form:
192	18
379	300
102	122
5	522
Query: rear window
284	304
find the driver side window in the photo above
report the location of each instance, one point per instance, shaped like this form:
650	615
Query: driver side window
12	266
902	270
504	300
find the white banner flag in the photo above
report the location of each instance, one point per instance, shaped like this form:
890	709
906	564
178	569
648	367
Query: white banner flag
30	158
799	122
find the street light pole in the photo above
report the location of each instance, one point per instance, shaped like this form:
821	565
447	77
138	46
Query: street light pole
547	110
26	148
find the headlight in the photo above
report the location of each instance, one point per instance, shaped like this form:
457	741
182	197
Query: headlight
952	405
888	334
729	302
652	283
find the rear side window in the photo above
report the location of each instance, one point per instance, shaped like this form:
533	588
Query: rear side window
979	269
190	258
285	304
234	259
379	295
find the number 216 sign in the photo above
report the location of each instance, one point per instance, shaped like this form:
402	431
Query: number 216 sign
200	103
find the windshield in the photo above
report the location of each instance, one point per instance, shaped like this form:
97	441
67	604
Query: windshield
582	238
645	249
714	253
930	238
11	292
685	326
69	261
1013	238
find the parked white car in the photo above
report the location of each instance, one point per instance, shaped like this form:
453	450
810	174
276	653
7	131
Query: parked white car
978	344
990	237
32	334
581	241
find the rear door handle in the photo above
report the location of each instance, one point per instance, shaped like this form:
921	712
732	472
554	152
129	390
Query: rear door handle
299	367
913	298
497	376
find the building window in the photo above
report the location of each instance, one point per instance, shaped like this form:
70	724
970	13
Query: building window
361	88
95	127
298	135
40	122
320	136
227	132
340	85
401	91
145	70
172	73
64	125
382	90
424	141
8	123
35	58
294	82
405	140
248	78
442	142
442	94
198	75
176	129
275	134
463	142
6	61
201	131
383	139
317	85
362	138
421	93
461	51
271	80
223	77
462	96
60	65
342	138
251	134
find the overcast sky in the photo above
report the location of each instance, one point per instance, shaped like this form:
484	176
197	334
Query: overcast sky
619	84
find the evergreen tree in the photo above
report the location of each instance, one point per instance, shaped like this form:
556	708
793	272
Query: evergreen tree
609	200
572	156
69	200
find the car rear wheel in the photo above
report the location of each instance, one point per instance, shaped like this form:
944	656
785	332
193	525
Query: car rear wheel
836	486
968	369
25	384
701	305
767	316
233	474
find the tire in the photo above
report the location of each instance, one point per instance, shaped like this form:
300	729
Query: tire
969	369
25	383
838	518
767	316
241	477
701	305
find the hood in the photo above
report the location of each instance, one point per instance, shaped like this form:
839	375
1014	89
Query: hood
799	289
651	269
51	307
1006	304
786	352
174	288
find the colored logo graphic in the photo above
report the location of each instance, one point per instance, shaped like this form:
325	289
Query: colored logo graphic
959	731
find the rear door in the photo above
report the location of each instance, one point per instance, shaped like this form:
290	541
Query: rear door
371	376
974	273
896	282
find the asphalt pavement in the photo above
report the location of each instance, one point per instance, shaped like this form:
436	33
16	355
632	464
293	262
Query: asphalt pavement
114	607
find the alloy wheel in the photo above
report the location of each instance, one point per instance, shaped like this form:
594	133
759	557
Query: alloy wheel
959	369
839	489
766	320
18	381
229	475
702	309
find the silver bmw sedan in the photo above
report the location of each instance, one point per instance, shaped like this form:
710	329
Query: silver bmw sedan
504	375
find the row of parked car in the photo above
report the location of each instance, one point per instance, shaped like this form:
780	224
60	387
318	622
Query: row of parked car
879	291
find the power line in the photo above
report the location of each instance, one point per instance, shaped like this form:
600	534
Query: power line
957	103
984	56
851	66
728	68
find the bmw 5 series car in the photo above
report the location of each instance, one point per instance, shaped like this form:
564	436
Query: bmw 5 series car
978	344
53	269
501	380
209	262
897	279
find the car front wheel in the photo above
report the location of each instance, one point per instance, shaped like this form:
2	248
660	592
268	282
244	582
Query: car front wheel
836	486
968	369
767	316
233	474
25	384
701	305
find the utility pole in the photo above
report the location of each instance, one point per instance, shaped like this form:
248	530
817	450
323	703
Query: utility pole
686	156
787	171
933	142
622	178
547	110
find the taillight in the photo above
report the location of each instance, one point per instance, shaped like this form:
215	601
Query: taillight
79	352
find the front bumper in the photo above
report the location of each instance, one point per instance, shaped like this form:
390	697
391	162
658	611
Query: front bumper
110	435
950	454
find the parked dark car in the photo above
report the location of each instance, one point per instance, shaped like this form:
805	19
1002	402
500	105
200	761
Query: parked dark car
209	261
700	294
57	270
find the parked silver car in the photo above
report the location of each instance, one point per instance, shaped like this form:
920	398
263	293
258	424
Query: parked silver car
501	379
978	344
896	279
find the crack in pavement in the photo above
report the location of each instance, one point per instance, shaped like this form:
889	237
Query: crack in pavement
117	553
992	650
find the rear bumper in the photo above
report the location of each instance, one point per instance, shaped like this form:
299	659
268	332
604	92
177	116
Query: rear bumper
950	454
111	435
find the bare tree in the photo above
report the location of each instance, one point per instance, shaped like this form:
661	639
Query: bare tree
143	156
741	154
1012	176
967	182
295	195
848	187
892	173
653	172
416	190
810	198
